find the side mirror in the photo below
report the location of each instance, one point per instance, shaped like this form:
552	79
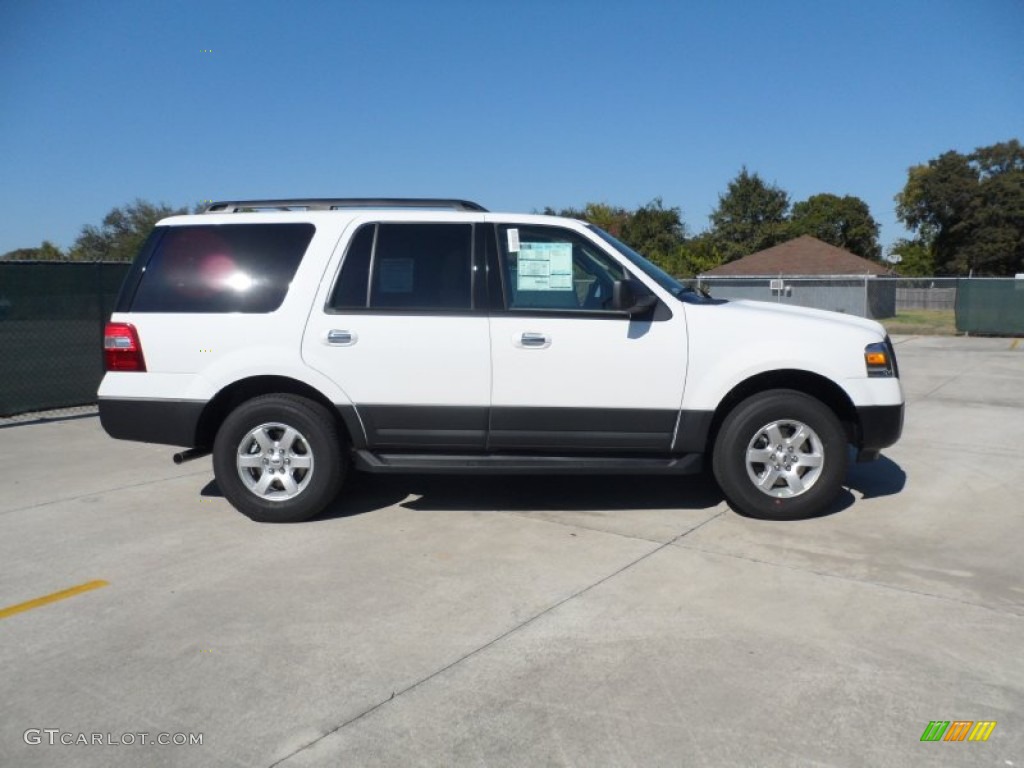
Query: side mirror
625	298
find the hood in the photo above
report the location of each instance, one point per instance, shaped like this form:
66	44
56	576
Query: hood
767	309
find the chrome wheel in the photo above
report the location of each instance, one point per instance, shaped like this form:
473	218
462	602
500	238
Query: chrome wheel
275	461
785	458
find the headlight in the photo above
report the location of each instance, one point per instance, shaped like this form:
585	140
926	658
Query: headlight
880	360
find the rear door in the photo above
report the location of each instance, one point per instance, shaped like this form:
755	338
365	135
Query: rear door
402	332
569	373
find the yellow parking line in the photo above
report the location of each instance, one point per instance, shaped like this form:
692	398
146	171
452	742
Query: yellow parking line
64	593
1015	343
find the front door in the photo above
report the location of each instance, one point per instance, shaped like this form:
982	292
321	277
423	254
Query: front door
570	374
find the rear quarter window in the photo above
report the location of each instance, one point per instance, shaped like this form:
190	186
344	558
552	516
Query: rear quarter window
221	268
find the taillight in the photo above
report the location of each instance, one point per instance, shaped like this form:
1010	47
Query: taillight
121	348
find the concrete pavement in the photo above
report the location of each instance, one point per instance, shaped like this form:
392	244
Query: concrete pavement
526	621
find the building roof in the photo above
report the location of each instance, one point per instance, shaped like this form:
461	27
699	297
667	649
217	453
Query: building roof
802	256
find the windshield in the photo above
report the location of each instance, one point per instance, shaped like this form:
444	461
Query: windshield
656	273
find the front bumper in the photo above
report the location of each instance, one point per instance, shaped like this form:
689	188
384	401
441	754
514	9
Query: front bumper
880	427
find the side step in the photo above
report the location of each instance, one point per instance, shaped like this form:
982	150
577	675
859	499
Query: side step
511	464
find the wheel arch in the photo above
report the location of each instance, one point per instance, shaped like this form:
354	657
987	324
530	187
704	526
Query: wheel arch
813	384
236	393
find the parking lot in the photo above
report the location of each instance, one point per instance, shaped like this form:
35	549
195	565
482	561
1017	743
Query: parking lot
525	621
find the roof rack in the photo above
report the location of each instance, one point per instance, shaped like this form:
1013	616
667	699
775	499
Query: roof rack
336	203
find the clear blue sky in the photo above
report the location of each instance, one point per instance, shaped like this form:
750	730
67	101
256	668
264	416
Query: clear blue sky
517	105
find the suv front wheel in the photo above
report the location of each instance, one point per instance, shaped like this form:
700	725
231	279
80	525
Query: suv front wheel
781	455
279	458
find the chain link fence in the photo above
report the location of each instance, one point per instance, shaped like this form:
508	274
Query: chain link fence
928	293
969	305
855	295
51	333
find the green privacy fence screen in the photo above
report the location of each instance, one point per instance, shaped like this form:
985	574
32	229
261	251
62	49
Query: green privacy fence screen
51	332
990	306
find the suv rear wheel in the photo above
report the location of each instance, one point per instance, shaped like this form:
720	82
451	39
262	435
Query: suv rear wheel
279	458
781	455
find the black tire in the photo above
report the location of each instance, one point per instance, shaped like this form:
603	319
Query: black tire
261	467
798	484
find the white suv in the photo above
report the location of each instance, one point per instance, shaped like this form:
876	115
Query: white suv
296	339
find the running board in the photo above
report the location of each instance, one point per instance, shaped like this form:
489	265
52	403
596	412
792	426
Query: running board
510	464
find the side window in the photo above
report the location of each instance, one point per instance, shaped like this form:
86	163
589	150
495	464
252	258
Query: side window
352	289
222	268
553	268
407	266
422	266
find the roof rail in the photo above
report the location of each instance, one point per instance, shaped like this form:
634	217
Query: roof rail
335	203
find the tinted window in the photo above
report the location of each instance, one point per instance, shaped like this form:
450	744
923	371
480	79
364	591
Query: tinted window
222	268
131	280
552	268
351	290
422	266
413	266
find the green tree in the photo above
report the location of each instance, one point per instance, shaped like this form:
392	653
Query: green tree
655	231
45	252
610	218
122	233
845	222
915	258
969	209
652	229
699	254
751	216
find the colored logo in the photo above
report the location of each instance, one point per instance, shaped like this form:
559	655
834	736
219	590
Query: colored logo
958	730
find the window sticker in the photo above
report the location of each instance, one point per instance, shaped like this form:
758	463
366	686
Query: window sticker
396	275
513	240
544	267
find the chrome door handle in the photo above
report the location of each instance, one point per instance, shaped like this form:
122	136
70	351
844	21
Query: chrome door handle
341	338
534	340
